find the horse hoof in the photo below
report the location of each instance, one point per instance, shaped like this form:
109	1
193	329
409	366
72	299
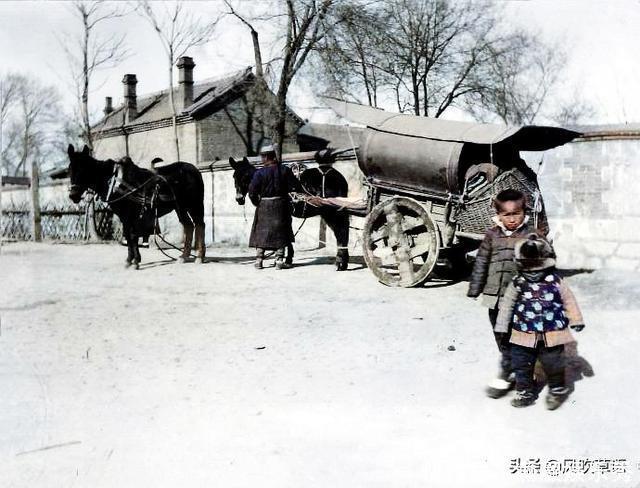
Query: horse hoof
136	266
182	260
127	264
199	260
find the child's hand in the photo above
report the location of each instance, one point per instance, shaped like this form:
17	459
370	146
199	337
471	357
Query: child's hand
577	327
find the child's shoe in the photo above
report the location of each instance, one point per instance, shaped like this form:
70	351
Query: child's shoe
556	397
499	387
523	399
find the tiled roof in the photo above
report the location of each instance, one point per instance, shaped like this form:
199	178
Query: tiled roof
209	96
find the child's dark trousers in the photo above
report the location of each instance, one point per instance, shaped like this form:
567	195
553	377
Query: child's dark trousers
523	360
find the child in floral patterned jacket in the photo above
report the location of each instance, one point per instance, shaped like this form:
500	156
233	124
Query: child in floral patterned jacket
539	308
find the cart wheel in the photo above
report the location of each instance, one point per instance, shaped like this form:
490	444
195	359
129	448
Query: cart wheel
400	242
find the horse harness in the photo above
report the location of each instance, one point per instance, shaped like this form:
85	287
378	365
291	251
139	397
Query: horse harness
137	194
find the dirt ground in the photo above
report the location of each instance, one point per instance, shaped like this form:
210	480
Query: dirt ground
220	375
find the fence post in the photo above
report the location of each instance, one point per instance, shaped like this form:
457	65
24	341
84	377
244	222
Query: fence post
35	201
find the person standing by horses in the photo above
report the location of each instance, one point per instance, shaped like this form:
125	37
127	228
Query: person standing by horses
269	192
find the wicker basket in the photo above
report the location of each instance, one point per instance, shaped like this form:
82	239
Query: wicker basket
474	216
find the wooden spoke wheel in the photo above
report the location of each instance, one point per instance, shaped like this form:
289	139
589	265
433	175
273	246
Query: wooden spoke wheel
106	226
400	242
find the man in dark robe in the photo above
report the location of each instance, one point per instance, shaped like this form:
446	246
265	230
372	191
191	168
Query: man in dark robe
269	192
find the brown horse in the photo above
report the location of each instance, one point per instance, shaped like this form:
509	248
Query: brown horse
139	196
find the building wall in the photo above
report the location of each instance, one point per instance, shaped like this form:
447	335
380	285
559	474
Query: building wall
590	189
146	145
232	222
202	141
219	139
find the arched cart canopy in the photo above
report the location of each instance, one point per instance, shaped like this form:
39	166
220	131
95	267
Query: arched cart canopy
425	153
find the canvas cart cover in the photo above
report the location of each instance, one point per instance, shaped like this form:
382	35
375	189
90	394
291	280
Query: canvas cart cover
425	153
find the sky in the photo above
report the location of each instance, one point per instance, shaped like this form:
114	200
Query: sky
600	37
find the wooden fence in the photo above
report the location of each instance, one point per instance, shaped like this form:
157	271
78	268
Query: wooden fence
67	222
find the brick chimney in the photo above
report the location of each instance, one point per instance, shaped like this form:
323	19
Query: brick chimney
185	82
108	105
130	101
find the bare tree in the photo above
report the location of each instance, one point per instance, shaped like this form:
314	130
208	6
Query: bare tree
259	107
303	26
514	81
30	135
350	62
8	89
430	55
433	48
91	51
572	111
178	31
8	95
32	124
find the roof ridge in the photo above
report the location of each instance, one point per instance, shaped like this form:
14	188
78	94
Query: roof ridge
164	91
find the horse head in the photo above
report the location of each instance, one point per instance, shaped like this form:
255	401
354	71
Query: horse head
242	174
80	172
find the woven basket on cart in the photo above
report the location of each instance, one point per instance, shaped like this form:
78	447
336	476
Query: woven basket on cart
474	216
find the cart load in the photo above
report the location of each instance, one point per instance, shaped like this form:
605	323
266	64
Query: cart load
431	183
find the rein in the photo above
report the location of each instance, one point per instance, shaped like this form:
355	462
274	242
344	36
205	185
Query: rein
131	190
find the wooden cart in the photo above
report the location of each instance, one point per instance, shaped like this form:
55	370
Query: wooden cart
431	182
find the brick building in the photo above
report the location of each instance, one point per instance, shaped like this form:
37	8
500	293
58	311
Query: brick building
217	118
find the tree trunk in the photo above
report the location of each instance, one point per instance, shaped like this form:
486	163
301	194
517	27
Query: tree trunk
257	54
281	123
85	88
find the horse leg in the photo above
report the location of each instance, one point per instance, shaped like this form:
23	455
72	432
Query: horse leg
134	253
126	232
187	227
199	242
288	260
338	222
195	211
199	238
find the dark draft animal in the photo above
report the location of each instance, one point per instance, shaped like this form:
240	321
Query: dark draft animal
139	196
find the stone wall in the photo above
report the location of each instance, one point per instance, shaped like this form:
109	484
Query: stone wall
590	189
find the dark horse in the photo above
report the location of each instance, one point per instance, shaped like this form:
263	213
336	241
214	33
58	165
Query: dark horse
323	181
138	196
